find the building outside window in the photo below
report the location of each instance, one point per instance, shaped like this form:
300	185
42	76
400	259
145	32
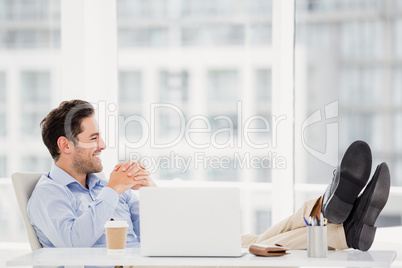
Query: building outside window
263	219
3	99
35	100
214	59
173	86
223	85
33	163
130	88
226	172
142	9
263	91
29	72
3	166
174	173
350	59
198	74
130	96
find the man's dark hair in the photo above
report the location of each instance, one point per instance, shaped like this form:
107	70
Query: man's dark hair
64	120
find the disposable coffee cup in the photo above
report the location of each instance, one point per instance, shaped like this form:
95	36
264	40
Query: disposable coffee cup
317	241
116	236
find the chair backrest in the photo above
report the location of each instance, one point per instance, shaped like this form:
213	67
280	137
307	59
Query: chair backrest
24	184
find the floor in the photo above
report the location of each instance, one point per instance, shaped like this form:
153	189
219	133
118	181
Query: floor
386	239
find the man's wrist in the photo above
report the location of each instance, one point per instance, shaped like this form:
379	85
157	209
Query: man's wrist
114	187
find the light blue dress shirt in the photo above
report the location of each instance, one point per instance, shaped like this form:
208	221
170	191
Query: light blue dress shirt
65	214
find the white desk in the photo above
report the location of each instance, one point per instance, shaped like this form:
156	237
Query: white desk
98	257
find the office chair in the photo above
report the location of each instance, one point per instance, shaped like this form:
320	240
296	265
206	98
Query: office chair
24	183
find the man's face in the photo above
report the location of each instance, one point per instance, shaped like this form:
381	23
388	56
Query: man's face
88	148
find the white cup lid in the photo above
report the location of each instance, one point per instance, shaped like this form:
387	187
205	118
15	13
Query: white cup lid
116	224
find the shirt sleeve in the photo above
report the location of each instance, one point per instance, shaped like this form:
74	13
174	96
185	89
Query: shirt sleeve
53	210
134	206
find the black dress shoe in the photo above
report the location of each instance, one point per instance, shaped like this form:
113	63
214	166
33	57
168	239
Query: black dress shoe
349	179
359	226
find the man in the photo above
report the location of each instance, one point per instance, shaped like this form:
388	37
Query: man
70	204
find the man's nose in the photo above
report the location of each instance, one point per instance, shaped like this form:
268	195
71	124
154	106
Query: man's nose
102	144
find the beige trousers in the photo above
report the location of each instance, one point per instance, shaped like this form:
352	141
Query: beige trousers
292	233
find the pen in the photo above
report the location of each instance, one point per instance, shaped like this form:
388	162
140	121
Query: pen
318	221
306	221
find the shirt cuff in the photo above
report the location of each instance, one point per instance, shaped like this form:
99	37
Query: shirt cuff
109	196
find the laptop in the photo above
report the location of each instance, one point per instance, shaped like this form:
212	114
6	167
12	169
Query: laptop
190	221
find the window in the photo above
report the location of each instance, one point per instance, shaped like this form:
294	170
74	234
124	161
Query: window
22	39
328	6
35	86
169	123
223	85
130	96
3	110
30	37
263	220
150	37
36	96
33	13
264	173
214	59
142	8
194	79
339	57
397	173
222	169
263	7
3	166
36	164
216	35
398	37
130	87
260	34
360	85
3	122
30	10
174	173
173	86
397	92
12	228
2	87
361	40
195	8
263	82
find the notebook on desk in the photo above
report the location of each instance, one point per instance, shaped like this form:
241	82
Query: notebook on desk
190	221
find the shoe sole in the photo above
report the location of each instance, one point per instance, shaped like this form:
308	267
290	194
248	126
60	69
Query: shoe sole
372	210
350	182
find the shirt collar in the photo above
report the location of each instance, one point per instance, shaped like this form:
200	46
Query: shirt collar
60	176
92	180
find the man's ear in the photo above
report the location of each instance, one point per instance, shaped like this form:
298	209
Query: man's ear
64	144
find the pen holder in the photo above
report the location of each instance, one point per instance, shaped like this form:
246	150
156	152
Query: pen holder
317	243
